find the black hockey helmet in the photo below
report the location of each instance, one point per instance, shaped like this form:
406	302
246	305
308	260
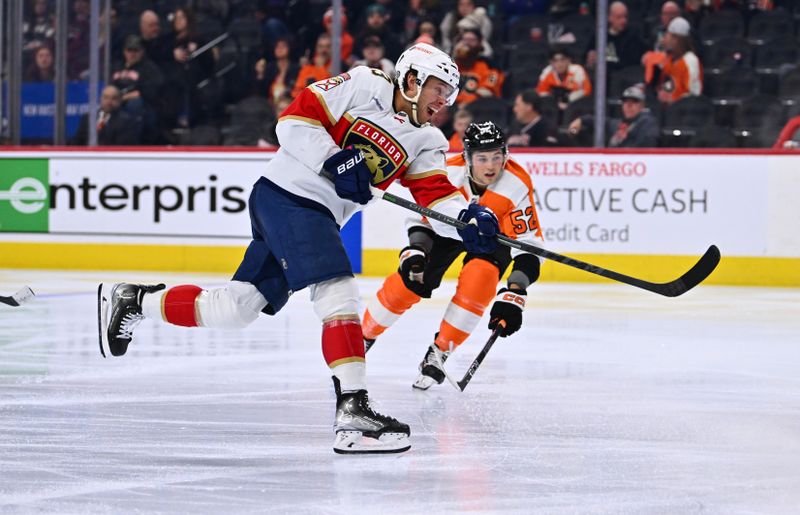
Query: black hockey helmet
483	136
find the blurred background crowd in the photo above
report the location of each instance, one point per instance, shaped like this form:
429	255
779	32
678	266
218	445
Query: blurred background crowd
692	73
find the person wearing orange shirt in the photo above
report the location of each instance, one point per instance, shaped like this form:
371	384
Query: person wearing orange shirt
484	174
478	77
681	71
319	67
563	79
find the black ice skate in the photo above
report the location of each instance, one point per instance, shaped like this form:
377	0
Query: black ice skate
119	311
430	370
360	430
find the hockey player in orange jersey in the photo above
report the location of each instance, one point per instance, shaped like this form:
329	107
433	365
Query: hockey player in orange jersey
484	174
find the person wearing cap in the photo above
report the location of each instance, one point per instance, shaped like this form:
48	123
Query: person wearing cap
139	80
377	24
676	72
637	128
373	56
465	10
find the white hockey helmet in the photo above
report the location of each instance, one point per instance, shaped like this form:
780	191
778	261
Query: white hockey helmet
427	61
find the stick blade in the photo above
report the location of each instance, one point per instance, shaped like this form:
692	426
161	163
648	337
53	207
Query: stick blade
19	298
697	274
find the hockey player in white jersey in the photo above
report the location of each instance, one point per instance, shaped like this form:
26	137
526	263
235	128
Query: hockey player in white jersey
339	137
484	173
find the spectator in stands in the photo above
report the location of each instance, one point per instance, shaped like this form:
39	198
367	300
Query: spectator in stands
531	128
156	46
139	81
188	70
461	121
419	12
563	79
78	40
427	33
373	56
464	9
276	78
682	73
669	11
318	68
346	50
377	25
41	69
637	129
114	127
479	78
469	24
788	138
625	46
38	27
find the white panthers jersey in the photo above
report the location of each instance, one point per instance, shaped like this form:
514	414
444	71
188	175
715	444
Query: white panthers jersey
355	108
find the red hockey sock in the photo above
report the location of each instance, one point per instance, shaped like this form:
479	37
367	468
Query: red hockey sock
342	342
179	305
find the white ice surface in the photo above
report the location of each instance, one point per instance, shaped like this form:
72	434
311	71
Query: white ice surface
610	400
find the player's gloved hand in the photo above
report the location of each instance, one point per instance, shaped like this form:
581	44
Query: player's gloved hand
508	306
413	260
351	175
482	227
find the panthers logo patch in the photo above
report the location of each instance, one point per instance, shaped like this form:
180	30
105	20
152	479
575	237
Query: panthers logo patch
383	154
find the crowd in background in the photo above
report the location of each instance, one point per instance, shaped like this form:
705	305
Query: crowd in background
701	73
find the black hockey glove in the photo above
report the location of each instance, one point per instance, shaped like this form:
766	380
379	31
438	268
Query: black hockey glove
351	175
413	260
482	227
508	306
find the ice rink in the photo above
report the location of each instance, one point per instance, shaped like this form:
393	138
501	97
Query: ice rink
610	400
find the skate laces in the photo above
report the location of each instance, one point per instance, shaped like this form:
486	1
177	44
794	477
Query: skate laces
128	324
430	357
366	406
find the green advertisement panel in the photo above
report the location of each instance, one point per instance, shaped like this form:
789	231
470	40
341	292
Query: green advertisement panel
24	195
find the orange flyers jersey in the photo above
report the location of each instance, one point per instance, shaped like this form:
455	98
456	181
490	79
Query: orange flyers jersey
355	108
510	198
576	82
479	76
683	76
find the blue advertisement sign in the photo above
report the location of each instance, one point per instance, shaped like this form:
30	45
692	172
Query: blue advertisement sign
38	108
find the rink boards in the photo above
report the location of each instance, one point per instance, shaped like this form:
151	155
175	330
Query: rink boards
647	214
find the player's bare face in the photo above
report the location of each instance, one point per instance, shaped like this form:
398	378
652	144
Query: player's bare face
433	97
486	166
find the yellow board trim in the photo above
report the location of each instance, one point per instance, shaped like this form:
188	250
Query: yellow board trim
96	256
737	271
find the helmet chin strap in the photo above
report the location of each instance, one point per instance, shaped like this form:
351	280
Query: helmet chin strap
413	100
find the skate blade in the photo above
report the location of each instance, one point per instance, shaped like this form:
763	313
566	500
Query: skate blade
353	442
424	382
103	299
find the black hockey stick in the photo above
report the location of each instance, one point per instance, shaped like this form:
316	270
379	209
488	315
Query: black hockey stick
460	385
702	269
22	296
